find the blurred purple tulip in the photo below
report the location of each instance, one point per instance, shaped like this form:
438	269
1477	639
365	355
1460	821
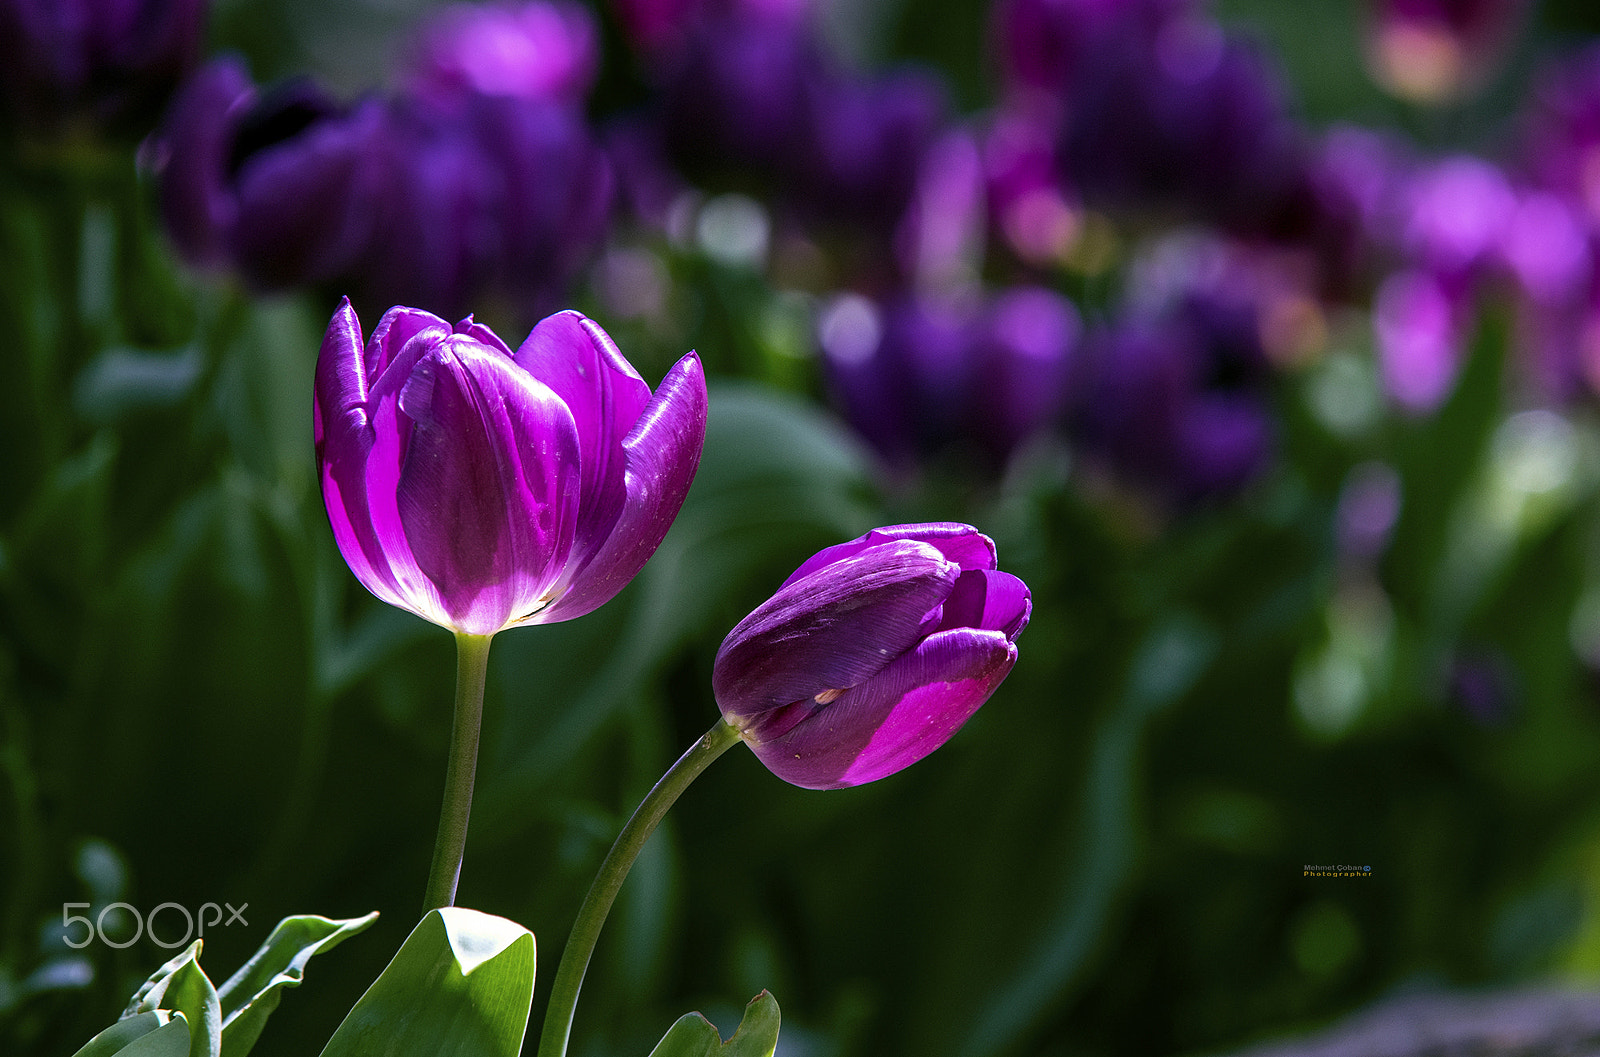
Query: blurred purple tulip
924	374
281	185
403	199
1555	258
1173	395
736	97
1420	320
1188	117
1561	131
872	654
482	489
753	96
1456	211
1042	44
865	142
940	239
1161	410
546	50
109	64
1432	51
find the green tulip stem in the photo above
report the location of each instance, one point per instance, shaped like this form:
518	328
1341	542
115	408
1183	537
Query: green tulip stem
472	665
608	881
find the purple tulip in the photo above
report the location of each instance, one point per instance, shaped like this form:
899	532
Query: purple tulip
866	139
1191	117
482	489
1042	43
281	185
541	50
1174	394
1456	214
402	199
926	373
1420	321
736	96
1561	133
110	63
872	654
755	95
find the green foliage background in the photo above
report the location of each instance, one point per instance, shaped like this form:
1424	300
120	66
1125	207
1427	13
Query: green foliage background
198	703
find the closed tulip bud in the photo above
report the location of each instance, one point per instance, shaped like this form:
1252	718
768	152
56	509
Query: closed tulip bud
872	654
484	489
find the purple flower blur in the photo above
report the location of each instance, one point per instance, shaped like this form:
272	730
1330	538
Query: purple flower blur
482	489
872	654
532	50
1174	111
109	63
443	199
753	92
280	185
1174	392
925	374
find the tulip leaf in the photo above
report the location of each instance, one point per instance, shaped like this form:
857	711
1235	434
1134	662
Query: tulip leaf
120	1037
250	995
692	1035
169	1040
461	986
181	986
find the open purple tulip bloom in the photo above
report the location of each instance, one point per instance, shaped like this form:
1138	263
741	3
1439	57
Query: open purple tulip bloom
872	654
484	489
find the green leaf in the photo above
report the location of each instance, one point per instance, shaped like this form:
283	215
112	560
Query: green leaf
250	995
692	1035
182	986
169	1040
461	986
124	1032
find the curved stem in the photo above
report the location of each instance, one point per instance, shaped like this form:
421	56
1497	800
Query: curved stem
603	892
472	665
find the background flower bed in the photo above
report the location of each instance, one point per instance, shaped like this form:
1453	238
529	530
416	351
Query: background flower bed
1368	639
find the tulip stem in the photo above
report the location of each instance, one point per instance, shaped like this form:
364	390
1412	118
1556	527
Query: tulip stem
608	881
472	665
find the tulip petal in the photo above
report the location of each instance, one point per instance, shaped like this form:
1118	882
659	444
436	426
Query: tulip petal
340	389
344	437
661	453
488	492
893	720
989	600
962	544
831	631
394	331
580	363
